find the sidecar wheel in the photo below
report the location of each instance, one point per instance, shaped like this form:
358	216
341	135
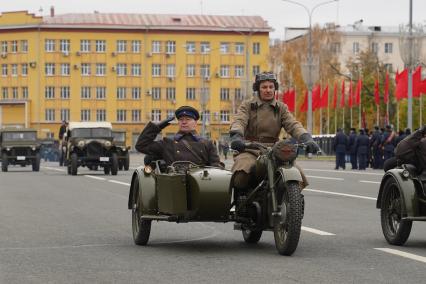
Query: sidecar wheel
395	230
141	228
287	232
252	237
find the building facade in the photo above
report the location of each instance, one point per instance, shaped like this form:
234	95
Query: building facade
128	69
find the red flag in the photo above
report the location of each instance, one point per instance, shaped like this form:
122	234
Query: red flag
334	96
289	99
417	81
350	94
401	80
316	97
324	98
376	92
304	106
386	94
358	92
342	98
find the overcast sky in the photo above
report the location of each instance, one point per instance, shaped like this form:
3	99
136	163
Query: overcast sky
278	13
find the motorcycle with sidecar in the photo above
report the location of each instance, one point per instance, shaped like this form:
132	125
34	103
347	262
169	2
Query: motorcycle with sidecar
185	192
401	200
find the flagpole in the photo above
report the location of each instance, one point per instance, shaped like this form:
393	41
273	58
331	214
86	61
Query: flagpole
421	110
360	103
295	100
378	114
397	115
328	111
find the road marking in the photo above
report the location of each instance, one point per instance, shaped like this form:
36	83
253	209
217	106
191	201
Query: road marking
325	177
341	194
345	172
119	182
54	169
95	177
318	232
403	254
369	181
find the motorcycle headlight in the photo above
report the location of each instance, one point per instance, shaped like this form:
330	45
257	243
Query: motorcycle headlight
8	149
284	151
107	144
80	143
33	148
405	173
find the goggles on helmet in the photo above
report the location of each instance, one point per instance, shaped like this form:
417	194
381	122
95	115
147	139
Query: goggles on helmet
266	77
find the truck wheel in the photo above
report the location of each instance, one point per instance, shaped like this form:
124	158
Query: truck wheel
74	164
141	228
127	162
114	164
395	230
36	163
4	162
287	231
120	165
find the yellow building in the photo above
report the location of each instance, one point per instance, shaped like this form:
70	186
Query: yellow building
127	68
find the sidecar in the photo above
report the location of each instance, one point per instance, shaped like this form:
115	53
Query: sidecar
401	200
189	193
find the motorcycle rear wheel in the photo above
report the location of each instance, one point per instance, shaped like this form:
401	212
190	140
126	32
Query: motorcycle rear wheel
141	228
395	230
287	232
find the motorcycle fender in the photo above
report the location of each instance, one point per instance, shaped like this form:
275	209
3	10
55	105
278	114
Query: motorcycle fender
290	174
407	190
146	189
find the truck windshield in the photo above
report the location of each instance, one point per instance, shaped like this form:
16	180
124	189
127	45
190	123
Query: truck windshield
91	132
25	136
119	136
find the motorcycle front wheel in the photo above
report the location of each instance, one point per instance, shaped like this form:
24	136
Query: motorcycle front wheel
141	228
287	231
395	230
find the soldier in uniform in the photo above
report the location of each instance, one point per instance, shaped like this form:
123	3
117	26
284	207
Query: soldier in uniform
260	119
186	145
388	143
375	147
340	145
352	148
362	143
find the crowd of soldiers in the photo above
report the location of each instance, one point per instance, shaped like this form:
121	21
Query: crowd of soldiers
366	148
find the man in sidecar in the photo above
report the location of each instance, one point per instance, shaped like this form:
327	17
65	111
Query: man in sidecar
260	119
186	145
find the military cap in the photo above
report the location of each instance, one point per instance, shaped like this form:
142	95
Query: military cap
187	111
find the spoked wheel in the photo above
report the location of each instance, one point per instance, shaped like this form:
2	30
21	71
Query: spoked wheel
287	231
141	228
395	230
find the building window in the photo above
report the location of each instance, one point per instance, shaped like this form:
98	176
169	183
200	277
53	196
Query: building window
65	92
100	45
190	47
121	46
205	47
256	47
85	115
239	48
155	115
156	70
49	69
49	114
14	70
65	114
190	94
121	93
64	45
355	47
4	47
24	46
256	70
388	47
375	47
171	70
121	69
388	67
205	70
239	71
4	70
49	92
25	92
85	45
224	115
170	113
136	46
100	115
224	94
136	93
171	94
4	92
224	71
224	47
49	45
85	92
170	47
335	47
205	116
100	93
136	70
14	46
156	46
136	115
85	69
156	93
14	93
190	70
121	115
100	69
238	94
65	69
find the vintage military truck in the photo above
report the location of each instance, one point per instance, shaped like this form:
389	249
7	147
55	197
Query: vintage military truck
122	149
90	145
19	146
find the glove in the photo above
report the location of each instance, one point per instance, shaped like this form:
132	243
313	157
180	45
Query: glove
311	146
163	124
237	143
423	130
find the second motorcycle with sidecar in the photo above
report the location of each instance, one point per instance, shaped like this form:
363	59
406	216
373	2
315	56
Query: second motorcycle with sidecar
185	192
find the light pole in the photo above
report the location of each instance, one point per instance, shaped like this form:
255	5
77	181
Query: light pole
310	65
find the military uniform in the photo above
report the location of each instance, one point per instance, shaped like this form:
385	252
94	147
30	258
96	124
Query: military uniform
362	144
340	146
352	149
375	146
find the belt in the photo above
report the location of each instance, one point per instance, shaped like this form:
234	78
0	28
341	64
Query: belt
262	139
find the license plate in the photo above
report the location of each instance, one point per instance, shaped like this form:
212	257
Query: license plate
104	159
20	158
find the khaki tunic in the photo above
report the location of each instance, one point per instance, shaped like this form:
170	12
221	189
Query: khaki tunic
261	121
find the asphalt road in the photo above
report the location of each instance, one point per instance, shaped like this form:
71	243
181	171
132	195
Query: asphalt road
56	228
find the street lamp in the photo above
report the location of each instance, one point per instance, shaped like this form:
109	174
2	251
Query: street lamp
311	66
